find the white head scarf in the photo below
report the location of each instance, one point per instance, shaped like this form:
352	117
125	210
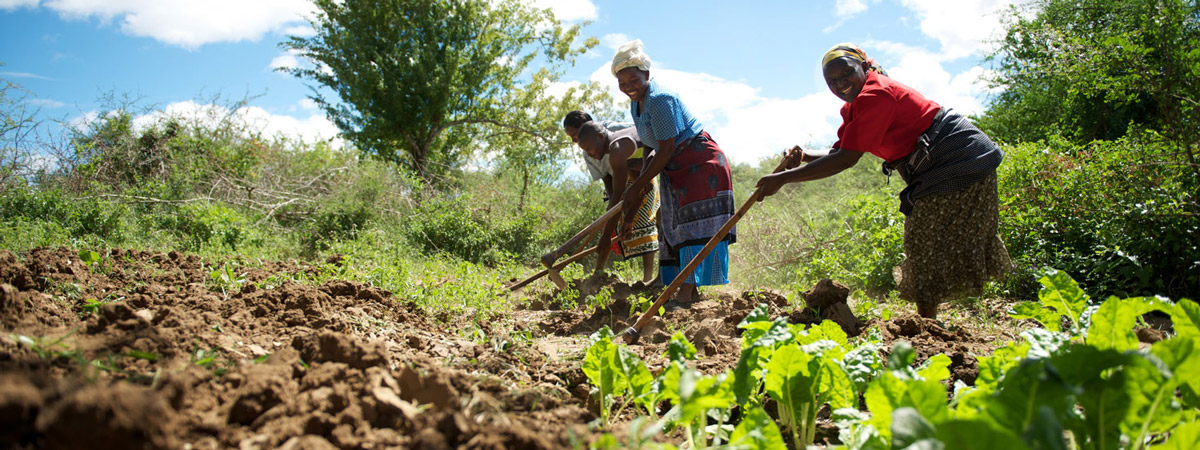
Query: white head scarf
630	54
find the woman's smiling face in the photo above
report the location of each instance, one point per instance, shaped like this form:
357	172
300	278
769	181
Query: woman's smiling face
845	77
633	82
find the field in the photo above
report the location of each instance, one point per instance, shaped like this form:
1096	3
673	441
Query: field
159	350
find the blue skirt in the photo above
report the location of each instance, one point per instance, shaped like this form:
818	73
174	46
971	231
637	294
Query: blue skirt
713	269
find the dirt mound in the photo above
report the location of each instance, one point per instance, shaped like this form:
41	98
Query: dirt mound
152	350
165	350
929	337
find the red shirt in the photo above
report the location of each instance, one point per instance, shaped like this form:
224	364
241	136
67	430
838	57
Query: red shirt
885	119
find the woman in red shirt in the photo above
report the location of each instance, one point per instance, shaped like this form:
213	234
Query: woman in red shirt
950	205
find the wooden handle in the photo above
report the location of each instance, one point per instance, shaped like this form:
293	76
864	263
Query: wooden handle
558	266
549	258
686	272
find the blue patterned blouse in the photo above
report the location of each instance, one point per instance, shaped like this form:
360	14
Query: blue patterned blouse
663	117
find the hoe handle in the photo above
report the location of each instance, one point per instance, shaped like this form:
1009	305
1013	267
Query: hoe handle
556	267
586	233
631	334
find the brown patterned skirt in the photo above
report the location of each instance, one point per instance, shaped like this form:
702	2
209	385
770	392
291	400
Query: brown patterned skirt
951	245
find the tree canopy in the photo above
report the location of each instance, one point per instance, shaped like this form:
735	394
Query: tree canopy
424	83
1088	69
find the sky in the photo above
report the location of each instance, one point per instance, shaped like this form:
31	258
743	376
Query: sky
749	71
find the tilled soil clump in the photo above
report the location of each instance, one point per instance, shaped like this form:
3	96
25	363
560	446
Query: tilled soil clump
141	350
158	350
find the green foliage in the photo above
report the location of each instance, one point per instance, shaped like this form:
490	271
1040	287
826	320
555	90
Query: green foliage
757	431
1060	297
418	83
1087	391
18	121
199	224
80	217
866	255
450	226
1115	215
1089	69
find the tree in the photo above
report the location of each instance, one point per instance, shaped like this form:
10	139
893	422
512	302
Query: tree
541	161
17	124
1088	69
420	82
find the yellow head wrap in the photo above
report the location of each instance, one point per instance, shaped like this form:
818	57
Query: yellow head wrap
849	50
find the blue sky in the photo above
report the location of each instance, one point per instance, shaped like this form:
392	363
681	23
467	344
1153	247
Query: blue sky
749	70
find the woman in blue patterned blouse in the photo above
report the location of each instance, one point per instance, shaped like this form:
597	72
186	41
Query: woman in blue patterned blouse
694	184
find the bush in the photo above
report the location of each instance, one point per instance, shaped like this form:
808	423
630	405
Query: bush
200	224
872	246
1118	215
81	216
452	227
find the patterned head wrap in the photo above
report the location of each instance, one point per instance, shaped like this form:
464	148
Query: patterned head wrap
630	54
849	50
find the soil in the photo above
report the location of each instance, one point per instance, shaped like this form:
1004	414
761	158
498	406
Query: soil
147	350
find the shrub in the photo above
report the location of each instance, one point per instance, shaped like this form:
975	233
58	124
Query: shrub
452	227
81	216
1117	215
200	224
871	247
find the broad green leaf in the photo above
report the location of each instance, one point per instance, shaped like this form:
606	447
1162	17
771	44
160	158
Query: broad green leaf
757	431
909	427
1063	294
936	368
1025	388
638	378
668	382
992	368
1182	357
861	365
976	435
698	394
679	349
89	257
1029	310
788	379
889	392
1043	343
1183	437
901	356
1151	389
603	333
827	329
1113	323
755	324
834	386
1185	316
601	366
1045	432
748	371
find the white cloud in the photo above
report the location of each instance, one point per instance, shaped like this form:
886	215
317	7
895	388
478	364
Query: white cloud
961	26
748	126
23	75
307	104
188	23
315	127
300	31
46	103
14	4
569	10
287	60
846	8
614	40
